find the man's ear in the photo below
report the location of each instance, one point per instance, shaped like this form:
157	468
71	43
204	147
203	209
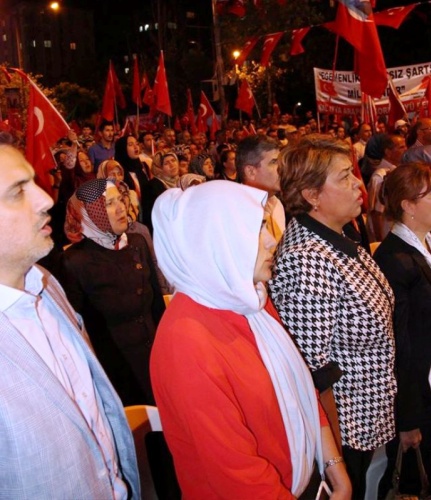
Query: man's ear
249	172
312	196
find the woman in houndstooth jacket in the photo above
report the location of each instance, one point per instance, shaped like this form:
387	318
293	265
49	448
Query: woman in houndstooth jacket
334	300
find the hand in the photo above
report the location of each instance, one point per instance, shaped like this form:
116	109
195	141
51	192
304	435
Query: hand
72	135
410	439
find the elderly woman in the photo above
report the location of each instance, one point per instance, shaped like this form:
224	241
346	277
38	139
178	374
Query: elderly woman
110	280
405	258
334	300
237	402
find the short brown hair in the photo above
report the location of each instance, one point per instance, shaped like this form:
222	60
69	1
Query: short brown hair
306	166
409	181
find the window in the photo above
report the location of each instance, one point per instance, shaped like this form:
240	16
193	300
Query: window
72	46
47	44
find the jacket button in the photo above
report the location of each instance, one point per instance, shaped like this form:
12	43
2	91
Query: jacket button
139	291
138	265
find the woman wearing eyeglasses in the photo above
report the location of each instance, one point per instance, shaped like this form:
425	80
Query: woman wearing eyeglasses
405	258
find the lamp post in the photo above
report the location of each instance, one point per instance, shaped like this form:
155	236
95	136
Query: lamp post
235	55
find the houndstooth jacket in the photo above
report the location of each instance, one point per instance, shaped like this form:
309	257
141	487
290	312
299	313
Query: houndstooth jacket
338	306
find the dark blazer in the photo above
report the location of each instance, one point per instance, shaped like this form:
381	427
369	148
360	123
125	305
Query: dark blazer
410	277
118	295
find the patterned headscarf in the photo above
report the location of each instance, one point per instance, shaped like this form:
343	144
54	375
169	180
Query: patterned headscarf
157	168
86	215
197	162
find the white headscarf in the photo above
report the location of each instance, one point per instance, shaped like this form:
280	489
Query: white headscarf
206	241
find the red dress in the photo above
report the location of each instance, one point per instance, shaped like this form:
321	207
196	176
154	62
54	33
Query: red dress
217	404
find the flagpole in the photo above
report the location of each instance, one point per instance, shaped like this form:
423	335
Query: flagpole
219	61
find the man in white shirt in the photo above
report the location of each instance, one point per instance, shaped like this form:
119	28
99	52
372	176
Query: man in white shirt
393	147
63	429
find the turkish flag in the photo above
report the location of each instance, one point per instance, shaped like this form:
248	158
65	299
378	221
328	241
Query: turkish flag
136	89
113	95
269	43
327	88
393	17
245	100
190	113
45	126
360	31
248	47
297	37
201	125
214	126
205	108
397	110
161	92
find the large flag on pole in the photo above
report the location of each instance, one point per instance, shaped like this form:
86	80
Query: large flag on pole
45	126
113	95
160	89
356	26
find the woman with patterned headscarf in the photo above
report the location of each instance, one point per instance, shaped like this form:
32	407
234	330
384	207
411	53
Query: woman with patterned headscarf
109	278
202	164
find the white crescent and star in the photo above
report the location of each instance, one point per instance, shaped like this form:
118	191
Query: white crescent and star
270	39
204	109
41	122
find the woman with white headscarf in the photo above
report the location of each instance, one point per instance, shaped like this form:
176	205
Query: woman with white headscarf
237	403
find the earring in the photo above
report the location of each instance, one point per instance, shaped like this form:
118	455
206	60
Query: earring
315	208
412	217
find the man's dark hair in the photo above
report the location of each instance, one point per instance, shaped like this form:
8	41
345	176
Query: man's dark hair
105	123
250	151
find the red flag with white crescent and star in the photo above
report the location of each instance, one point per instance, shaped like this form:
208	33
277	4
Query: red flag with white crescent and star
393	17
205	108
248	47
245	100
297	37
269	43
45	126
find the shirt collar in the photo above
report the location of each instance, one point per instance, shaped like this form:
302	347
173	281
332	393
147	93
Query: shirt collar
340	242
33	285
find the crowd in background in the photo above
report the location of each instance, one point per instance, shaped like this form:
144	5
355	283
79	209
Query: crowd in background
130	227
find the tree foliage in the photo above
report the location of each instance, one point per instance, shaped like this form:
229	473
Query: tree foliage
287	78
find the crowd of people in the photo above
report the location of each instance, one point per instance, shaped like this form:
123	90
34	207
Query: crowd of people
291	349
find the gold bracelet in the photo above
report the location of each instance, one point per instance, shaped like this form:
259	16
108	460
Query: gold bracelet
333	461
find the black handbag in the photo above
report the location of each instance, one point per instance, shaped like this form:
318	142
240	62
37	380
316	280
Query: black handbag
394	493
